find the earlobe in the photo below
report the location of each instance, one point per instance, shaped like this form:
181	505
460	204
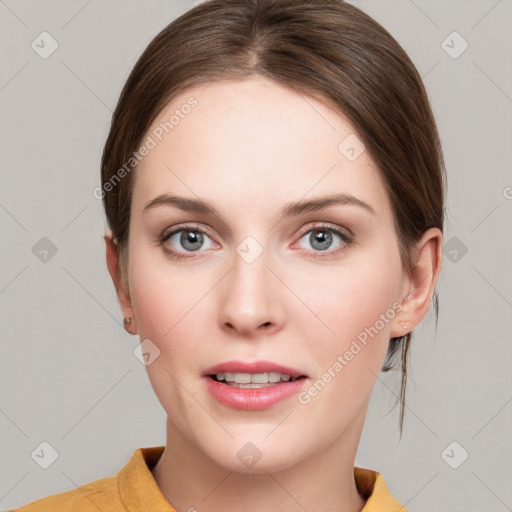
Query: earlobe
123	295
420	284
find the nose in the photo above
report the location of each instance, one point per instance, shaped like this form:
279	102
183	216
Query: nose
251	302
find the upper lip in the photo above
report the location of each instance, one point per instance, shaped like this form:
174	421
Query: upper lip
252	367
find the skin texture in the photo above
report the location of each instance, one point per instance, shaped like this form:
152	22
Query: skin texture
250	147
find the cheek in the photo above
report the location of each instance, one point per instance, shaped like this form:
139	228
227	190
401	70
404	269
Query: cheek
167	305
167	301
365	296
356	309
162	293
351	299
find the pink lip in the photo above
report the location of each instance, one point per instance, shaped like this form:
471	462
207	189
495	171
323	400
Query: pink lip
252	399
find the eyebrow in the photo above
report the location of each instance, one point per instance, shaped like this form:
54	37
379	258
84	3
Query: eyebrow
290	209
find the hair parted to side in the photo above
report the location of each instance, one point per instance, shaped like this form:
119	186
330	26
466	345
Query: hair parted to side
326	48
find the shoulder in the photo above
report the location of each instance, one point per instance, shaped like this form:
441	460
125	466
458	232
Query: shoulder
132	484
89	497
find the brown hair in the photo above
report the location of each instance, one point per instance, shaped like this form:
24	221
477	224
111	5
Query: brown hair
327	48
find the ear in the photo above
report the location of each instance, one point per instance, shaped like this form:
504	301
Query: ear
122	291
419	285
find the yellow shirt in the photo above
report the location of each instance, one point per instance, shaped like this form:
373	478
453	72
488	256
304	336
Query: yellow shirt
133	489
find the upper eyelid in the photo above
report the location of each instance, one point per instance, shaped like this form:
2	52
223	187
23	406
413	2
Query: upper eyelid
190	227
327	226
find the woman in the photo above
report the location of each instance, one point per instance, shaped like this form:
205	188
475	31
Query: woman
274	186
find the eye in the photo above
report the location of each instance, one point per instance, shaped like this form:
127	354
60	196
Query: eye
189	238
321	239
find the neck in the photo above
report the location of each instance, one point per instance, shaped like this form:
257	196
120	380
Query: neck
322	482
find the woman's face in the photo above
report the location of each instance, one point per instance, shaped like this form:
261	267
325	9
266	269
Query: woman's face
251	284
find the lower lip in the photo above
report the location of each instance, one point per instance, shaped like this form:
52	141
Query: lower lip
253	399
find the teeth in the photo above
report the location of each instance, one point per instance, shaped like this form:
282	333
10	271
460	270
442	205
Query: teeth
254	378
243	378
275	377
259	378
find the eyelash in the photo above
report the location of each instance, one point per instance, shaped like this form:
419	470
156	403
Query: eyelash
346	239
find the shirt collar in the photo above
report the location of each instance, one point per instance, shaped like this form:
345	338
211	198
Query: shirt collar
140	492
137	487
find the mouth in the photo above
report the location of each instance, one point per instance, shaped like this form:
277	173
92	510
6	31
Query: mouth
253	380
253	386
255	374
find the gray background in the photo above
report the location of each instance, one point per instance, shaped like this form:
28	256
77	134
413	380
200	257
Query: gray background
68	375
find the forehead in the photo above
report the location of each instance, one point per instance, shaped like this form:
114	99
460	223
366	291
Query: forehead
255	138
